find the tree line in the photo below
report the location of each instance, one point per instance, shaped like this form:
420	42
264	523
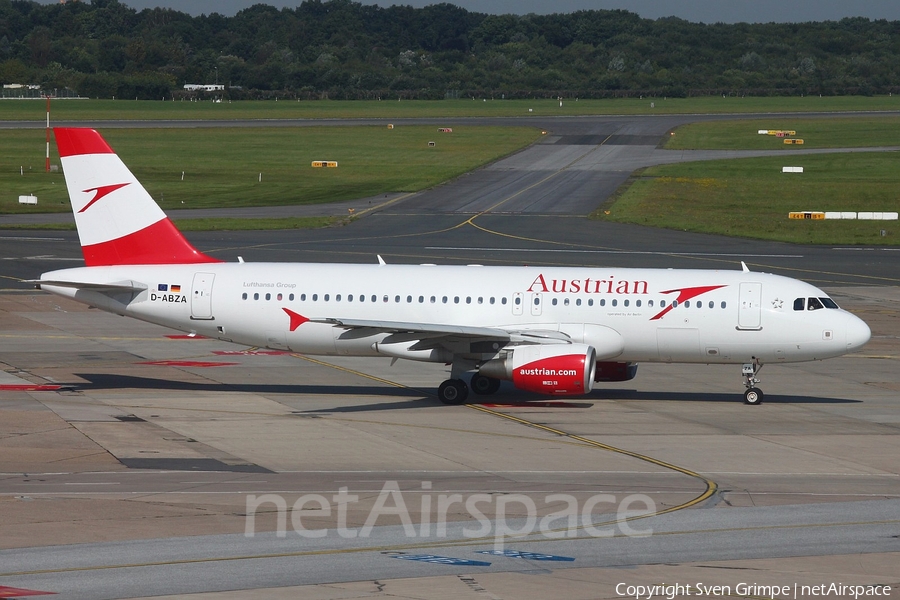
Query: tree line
341	49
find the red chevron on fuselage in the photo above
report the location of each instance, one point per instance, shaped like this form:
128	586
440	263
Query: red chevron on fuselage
686	294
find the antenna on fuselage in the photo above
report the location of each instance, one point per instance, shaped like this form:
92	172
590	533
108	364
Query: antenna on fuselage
380	260
744	267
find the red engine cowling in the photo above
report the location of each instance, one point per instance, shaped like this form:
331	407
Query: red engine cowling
615	371
556	369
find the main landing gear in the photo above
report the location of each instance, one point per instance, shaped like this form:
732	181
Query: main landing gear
484	385
752	395
453	391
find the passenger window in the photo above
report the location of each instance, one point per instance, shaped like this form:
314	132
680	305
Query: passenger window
268	296
244	296
455	299
637	303
408	299
396	298
590	301
712	304
723	304
674	303
291	298
256	296
337	298
385	299
615	302
492	300
566	301
362	297
799	303
349	297
662	303
602	301
480	300
813	304
315	297
374	298
325	297
503	301
302	297
553	302
687	303
433	299
421	299
444	299
279	297
578	302
537	300
518	301
650	303
626	303
468	299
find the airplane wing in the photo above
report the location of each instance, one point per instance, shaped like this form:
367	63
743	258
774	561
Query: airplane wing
428	329
456	338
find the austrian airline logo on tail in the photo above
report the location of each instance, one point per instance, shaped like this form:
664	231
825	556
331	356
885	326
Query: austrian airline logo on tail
129	229
102	191
684	295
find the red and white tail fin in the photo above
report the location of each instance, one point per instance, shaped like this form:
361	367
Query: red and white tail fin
118	222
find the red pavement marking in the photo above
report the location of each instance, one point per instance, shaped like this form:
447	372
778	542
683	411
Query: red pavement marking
187	363
186	336
251	352
11	592
27	387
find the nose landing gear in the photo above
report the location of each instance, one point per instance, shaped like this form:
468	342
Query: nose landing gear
752	395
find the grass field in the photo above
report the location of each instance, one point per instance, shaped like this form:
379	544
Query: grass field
816	133
752	198
65	110
222	166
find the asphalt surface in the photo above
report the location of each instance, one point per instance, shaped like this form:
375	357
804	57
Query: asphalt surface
810	473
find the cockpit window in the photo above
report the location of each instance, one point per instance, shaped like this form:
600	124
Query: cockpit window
813	304
829	303
800	304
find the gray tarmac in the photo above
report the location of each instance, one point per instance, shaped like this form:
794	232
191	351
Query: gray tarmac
138	476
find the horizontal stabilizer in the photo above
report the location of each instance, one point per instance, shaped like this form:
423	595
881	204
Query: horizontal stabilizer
122	286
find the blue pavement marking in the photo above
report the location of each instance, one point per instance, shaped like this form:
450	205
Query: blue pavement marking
525	555
443	560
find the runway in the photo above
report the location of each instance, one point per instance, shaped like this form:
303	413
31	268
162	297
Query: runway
139	476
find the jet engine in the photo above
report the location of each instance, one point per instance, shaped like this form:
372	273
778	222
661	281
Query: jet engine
556	369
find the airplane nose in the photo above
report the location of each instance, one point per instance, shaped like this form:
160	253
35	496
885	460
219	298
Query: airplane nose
858	333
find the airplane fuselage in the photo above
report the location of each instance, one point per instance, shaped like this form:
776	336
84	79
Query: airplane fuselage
698	316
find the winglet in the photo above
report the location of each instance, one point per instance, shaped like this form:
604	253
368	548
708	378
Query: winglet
118	222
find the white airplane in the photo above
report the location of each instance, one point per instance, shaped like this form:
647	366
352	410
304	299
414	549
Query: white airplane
549	330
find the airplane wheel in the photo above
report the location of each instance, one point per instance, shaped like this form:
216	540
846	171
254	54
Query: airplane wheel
484	385
753	396
453	391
